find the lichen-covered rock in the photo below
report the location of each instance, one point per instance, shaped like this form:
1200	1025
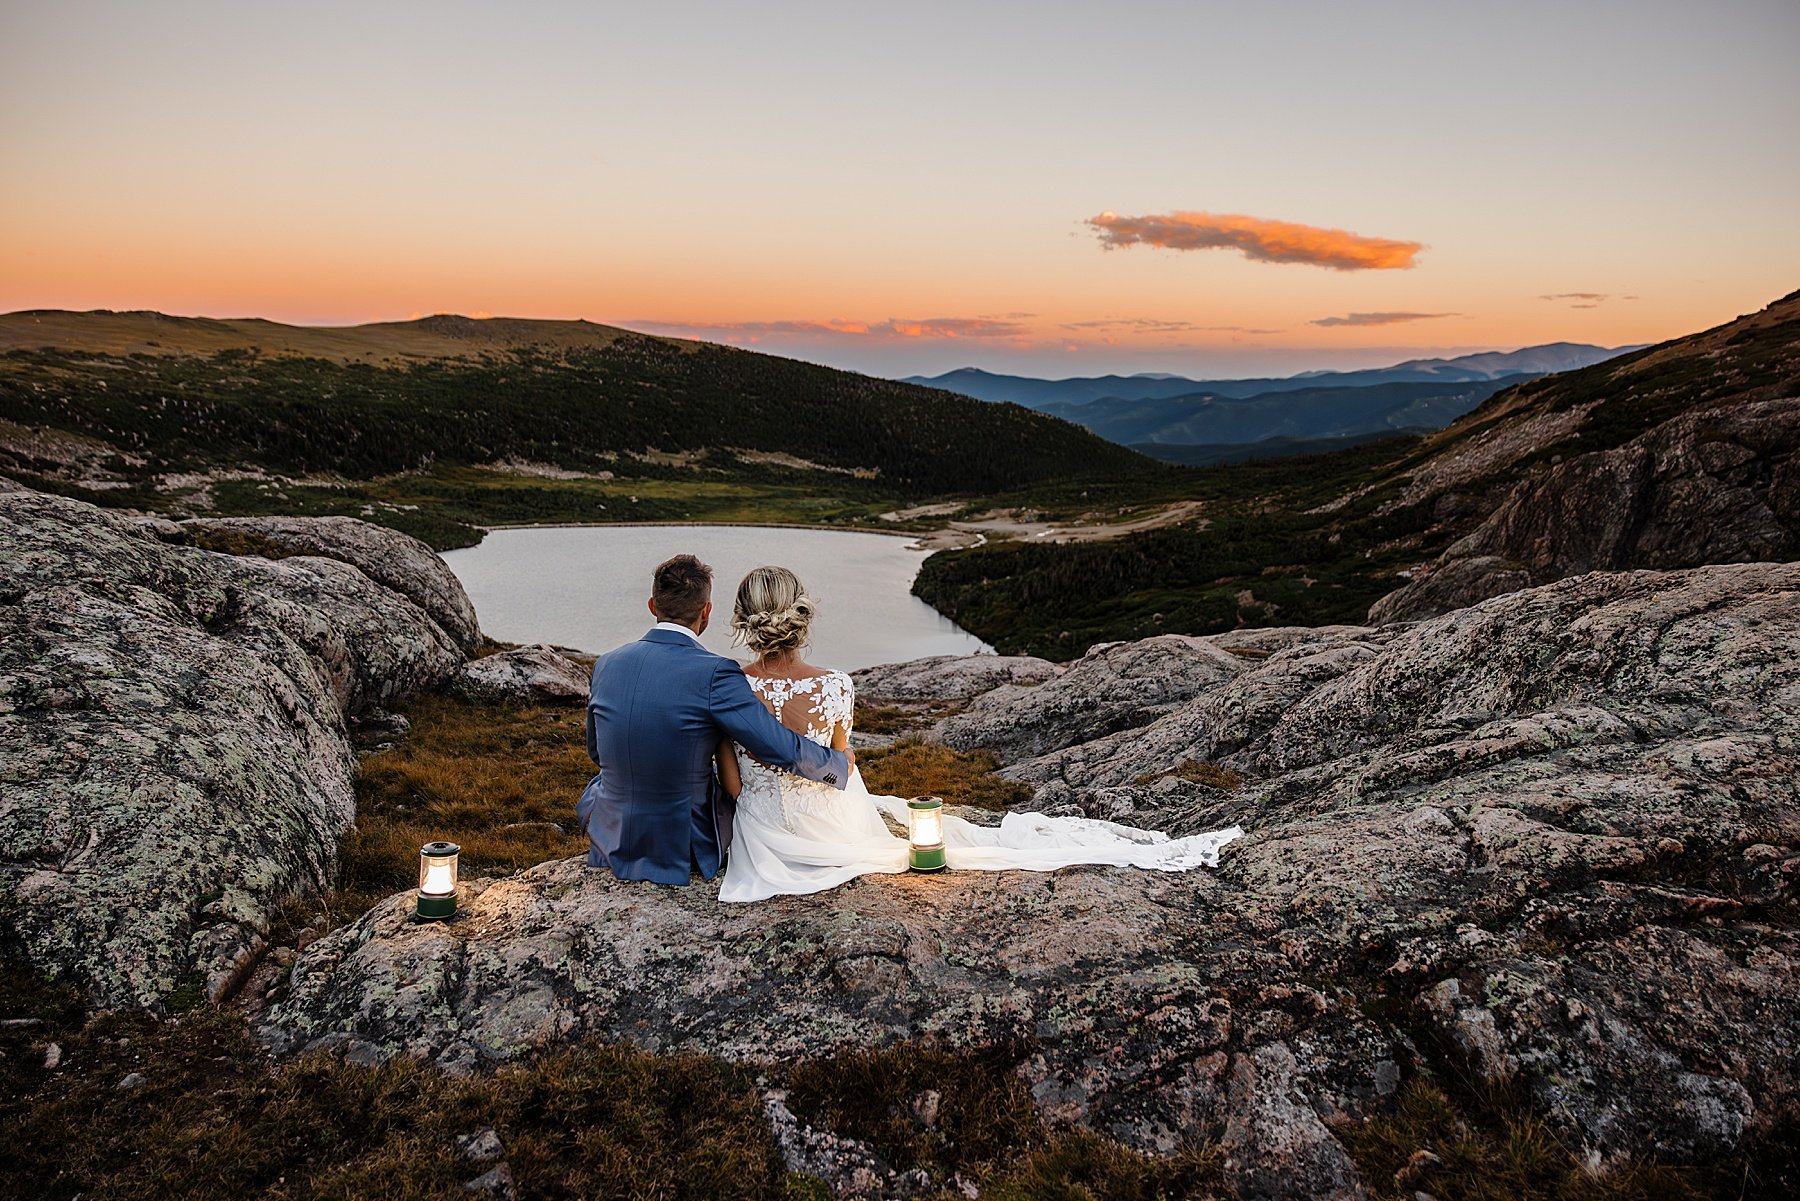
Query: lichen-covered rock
1214	723
950	677
847	1167
527	675
1276	1147
1114	685
1562	826
1107	974
173	758
394	560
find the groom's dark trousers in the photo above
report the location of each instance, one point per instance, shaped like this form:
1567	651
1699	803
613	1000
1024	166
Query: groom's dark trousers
657	709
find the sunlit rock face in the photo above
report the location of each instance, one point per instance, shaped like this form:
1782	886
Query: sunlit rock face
173	759
1556	831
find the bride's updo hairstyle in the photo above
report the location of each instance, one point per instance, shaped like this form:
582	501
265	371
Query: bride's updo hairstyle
773	612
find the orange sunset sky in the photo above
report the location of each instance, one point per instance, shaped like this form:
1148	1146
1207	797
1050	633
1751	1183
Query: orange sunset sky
1042	188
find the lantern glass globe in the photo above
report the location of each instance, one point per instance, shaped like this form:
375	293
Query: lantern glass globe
437	880
925	827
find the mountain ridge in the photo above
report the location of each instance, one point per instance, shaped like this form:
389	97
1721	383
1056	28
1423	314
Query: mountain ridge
1030	391
1306	414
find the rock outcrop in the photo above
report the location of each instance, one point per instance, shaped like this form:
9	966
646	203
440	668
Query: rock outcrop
1215	723
401	564
1557	829
526	675
173	758
1114	685
1451	583
1717	485
950	677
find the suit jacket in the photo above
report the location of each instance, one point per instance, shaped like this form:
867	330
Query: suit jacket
657	709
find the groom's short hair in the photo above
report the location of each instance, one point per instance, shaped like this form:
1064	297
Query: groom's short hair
681	588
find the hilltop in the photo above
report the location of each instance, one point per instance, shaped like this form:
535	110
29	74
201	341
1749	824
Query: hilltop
443	336
1681	454
1322	413
447	422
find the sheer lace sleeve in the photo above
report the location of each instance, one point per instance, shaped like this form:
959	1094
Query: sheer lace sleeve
837	700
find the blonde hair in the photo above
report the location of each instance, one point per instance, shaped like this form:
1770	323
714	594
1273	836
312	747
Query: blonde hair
772	611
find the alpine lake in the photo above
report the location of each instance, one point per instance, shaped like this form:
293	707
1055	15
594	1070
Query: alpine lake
587	587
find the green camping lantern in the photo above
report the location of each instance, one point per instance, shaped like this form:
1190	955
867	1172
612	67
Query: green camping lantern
925	830
437	880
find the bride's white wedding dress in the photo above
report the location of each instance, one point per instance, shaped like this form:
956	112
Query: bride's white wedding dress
793	835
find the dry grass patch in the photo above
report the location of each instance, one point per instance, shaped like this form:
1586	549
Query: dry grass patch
242	542
914	767
886	719
1078	1165
982	1126
906	717
215	1120
500	781
1494	1148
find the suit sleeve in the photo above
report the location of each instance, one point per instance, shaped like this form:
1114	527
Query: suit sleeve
751	726
593	741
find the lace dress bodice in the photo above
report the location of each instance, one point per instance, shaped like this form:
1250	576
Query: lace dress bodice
817	706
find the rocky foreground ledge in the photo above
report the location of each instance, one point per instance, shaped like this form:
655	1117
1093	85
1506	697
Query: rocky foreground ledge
1550	838
173	750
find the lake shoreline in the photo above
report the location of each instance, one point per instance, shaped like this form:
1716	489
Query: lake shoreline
748	525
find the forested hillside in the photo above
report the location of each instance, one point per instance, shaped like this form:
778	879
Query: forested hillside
574	406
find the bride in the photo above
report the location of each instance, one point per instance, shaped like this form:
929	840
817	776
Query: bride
792	835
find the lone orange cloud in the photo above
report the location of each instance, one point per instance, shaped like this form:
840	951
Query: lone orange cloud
1258	238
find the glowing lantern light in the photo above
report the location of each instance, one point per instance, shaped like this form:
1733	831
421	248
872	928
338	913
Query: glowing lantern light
925	826
437	880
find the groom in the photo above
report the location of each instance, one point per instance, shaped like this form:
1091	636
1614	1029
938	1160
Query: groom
657	710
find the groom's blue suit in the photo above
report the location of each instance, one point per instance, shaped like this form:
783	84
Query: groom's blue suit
657	709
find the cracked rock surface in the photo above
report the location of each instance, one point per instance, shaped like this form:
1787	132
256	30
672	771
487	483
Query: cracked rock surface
1556	832
173	759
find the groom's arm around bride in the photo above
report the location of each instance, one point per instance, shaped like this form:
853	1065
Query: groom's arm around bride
657	709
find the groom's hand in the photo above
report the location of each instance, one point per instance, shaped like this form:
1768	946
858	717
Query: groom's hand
850	755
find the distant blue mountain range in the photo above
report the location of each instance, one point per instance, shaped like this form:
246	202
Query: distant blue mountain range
1153	411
